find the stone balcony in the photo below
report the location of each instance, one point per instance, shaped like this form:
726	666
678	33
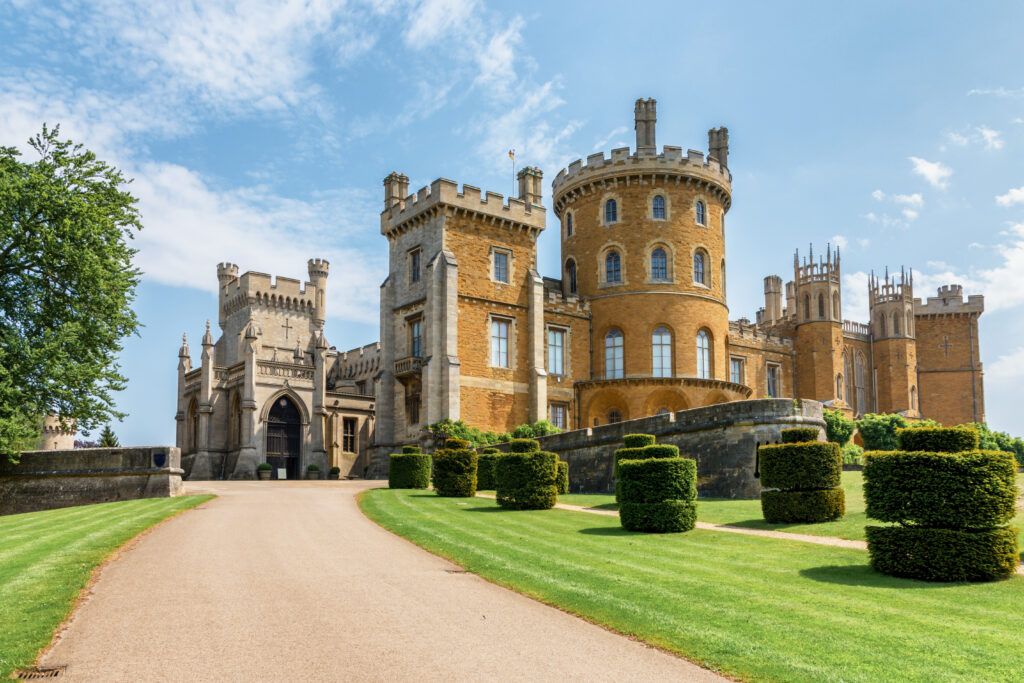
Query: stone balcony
408	367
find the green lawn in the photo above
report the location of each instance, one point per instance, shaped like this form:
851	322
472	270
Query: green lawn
747	513
756	608
46	559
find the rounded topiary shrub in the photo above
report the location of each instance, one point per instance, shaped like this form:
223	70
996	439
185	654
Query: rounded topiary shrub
938	440
807	476
485	480
562	478
800	434
658	494
637	440
951	510
409	471
455	472
456	444
410	449
527	480
523	446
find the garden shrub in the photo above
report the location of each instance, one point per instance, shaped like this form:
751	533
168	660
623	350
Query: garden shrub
409	471
933	554
456	444
637	440
853	454
410	449
807	476
800	434
562	477
523	446
879	431
838	427
796	507
455	472
801	466
664	517
661	450
485	480
951	508
658	494
938	440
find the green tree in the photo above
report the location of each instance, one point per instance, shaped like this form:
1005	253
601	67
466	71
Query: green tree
879	431
66	287
108	439
838	427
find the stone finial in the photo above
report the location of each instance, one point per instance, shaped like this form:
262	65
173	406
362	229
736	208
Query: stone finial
183	352
207	338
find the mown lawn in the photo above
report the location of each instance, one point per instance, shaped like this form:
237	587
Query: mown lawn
747	513
46	559
751	607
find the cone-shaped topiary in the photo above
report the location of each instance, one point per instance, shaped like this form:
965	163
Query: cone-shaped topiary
951	508
807	475
526	479
409	471
455	472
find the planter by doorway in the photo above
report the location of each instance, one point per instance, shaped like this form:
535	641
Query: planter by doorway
263	471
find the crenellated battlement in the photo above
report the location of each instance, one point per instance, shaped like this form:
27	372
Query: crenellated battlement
359	363
950	301
891	289
556	302
826	269
743	331
445	193
262	290
691	167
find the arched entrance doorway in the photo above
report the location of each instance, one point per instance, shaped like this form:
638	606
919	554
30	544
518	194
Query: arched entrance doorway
284	438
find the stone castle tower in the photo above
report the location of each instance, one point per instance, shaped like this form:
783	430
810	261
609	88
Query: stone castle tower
891	311
819	326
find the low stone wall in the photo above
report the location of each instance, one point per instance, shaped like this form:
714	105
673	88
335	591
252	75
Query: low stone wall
723	439
42	480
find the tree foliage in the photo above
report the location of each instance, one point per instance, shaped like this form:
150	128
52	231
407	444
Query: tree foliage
457	429
108	439
838	427
879	431
66	287
998	441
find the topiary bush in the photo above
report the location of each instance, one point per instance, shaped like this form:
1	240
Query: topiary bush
410	449
938	440
800	434
523	446
658	494
637	440
562	477
527	479
649	449
485	480
951	509
807	476
456	444
838	427
409	471
455	472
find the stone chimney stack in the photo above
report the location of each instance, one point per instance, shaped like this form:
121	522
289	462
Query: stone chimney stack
772	299
529	185
645	116
718	145
396	189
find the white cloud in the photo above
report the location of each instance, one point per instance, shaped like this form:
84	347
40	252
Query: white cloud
840	241
433	19
615	132
855	296
1007	367
496	60
957	139
909	214
975	245
991	137
909	199
863	242
935	172
878	194
998	92
1014	196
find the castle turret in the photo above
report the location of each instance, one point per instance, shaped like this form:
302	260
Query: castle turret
772	300
891	305
318	269
718	145
226	274
819	326
396	189
645	118
529	184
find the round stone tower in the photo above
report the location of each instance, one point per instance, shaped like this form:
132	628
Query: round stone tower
643	240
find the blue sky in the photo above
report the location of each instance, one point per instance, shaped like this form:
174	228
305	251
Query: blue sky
259	133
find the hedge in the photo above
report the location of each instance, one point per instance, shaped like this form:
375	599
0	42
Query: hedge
801	466
658	479
943	554
637	440
800	434
976	489
455	472
486	463
661	450
527	480
409	471
663	517
410	449
938	439
456	444
523	446
792	507
562	478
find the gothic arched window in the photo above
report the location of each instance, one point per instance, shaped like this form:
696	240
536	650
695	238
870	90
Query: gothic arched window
807	306
611	211
568	224
612	267
700	213
881	325
658	206
895	323
613	355
614	416
839	386
661	353
192	427
699	276
570	273
821	306
858	378
659	264
704	354
836	313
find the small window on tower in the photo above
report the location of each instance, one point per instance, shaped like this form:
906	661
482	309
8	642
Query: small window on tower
658	207
568	224
348	436
700	213
500	266
611	211
414	265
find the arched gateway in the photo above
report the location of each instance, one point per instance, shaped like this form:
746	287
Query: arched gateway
284	438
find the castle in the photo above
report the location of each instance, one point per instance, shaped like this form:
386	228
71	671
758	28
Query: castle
636	325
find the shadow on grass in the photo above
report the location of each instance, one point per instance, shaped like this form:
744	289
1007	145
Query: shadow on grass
607	531
864	575
604	506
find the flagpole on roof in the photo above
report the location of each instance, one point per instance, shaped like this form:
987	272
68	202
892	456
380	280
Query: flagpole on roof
512	156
